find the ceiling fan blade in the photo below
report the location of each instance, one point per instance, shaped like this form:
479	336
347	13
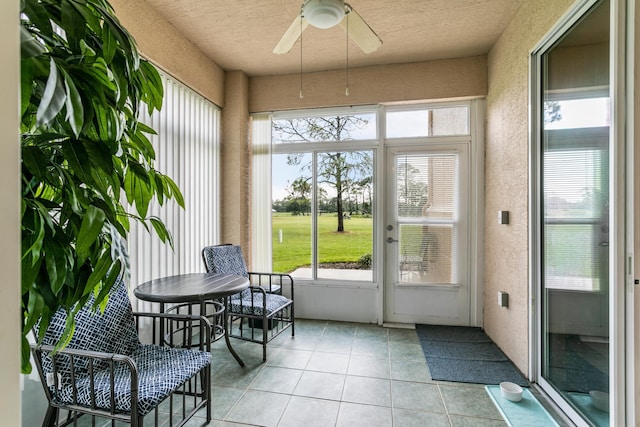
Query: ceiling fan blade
360	32
291	35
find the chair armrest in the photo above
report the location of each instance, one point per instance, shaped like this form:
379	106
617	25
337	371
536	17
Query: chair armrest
89	354
93	357
259	290
269	281
164	320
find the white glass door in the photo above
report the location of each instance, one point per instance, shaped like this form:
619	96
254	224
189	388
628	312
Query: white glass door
426	230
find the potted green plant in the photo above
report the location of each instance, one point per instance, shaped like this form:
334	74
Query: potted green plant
87	163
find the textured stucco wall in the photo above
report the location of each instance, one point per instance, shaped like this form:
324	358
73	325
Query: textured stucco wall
10	224
163	45
506	176
450	78
235	198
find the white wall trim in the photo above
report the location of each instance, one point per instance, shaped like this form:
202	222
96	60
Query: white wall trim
476	214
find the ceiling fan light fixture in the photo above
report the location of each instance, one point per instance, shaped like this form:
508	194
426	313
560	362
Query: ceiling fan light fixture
323	13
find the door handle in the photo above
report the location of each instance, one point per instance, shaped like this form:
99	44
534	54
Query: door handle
391	240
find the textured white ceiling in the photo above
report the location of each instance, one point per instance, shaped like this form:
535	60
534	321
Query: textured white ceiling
241	34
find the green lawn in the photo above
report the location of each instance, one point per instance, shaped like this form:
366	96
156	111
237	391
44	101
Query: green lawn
295	249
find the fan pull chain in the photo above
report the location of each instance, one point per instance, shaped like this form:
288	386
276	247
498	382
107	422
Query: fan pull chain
301	96
346	92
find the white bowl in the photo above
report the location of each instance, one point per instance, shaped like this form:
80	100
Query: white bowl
511	391
600	400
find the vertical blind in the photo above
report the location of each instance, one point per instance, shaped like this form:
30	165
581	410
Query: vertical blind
187	148
261	194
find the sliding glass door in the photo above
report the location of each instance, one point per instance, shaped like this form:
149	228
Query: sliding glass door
574	239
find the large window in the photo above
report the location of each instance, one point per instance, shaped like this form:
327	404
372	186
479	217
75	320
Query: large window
323	195
324	181
427	121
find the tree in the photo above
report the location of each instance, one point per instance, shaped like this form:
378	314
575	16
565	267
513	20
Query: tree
83	154
299	196
279	206
364	189
412	192
551	112
337	170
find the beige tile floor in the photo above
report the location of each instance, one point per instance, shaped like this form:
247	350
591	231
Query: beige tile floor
335	374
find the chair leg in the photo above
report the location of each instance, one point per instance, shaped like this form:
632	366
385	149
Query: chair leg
293	323
207	391
51	417
265	327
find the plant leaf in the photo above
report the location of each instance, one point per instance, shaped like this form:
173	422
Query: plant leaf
35	306
34	236
100	269
107	283
153	84
55	261
78	159
91	19
161	230
72	22
142	144
137	188
26	353
67	333
175	190
53	98
39	16
35	161
30	270
29	46
26	85
92	223
109	44
75	109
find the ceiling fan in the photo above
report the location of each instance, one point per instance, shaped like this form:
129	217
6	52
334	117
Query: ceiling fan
326	14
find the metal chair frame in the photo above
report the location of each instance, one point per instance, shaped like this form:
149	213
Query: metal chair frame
196	389
262	325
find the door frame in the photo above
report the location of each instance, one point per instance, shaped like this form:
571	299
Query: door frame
476	219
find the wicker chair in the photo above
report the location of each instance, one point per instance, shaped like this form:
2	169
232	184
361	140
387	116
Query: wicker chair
264	305
106	372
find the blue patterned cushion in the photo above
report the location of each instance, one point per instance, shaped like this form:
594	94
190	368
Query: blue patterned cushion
112	332
242	304
161	370
225	259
